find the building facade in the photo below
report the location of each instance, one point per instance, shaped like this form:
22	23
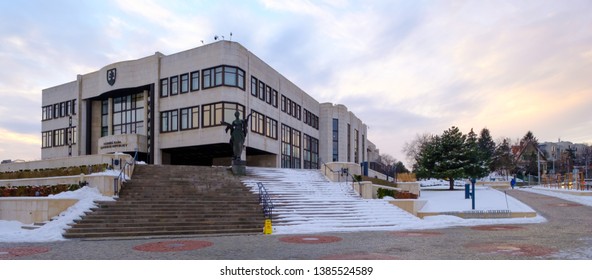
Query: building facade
170	109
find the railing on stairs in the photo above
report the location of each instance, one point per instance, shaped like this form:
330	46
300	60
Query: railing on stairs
265	201
126	171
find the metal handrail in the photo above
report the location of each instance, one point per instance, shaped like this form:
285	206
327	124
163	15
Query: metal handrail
125	170
265	201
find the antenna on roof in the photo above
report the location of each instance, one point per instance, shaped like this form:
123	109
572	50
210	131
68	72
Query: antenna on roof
202	42
216	38
230	36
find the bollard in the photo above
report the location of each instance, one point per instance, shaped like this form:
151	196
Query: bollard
467	191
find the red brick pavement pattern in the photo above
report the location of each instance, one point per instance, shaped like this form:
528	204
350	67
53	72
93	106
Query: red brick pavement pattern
360	256
173	246
10	253
310	239
416	233
497	228
511	249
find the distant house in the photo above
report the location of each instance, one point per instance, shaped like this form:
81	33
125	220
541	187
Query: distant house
525	156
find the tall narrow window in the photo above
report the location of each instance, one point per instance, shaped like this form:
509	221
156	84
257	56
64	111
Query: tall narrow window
254	83
271	128
174	85
356	147
257	122
184	83
46	139
104	118
335	140
218	75
164	87
207	78
349	152
195	81
261	90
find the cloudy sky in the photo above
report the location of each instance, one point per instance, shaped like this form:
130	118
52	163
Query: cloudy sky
404	67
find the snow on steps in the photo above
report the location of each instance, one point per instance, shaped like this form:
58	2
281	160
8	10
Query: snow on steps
305	202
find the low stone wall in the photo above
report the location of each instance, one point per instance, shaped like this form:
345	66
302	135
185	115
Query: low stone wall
66	162
28	210
105	183
410	205
332	171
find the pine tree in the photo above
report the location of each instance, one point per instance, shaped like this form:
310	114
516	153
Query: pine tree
476	165
443	157
487	147
503	160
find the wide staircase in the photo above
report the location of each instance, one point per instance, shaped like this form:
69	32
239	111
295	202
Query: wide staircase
174	200
305	201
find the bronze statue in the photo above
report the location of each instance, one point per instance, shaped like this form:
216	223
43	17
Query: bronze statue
238	134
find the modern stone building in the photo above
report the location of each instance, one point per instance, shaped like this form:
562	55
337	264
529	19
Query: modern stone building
170	107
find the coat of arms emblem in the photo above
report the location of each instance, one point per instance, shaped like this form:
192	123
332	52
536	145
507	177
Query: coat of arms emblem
111	75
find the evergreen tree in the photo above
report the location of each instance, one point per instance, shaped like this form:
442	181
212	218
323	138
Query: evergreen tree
487	147
503	161
529	137
476	165
443	157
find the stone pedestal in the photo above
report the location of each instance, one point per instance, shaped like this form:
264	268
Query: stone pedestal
239	167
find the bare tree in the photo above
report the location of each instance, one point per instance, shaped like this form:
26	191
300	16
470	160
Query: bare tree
412	149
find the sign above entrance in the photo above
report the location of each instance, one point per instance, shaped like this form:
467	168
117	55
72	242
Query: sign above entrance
111	75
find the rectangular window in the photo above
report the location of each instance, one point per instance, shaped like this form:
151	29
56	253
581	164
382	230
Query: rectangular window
271	128
254	83
335	140
46	113
104	118
190	118
274	98
218	76
58	137
62	109
69	108
214	114
268	95
283	103
291	146
207	78
349	151
174	85
56	110
356	149
128	114
230	76
310	152
184	83
257	122
241	79
73	106
46	139
261	90
169	121
164	87
195	81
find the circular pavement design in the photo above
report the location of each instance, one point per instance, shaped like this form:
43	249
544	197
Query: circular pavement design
510	249
9	253
415	233
173	246
360	256
496	228
310	239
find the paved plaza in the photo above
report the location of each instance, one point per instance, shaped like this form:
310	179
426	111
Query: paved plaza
566	235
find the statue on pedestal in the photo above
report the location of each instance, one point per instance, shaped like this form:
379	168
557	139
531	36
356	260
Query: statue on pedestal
238	134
